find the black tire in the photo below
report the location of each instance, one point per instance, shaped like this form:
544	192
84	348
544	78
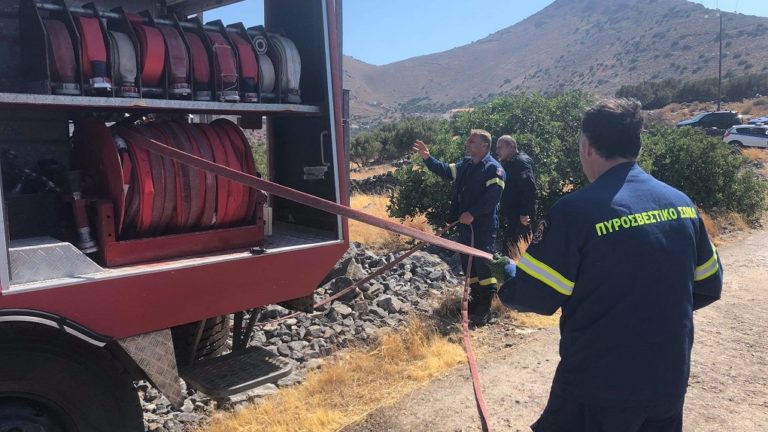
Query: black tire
213	341
53	382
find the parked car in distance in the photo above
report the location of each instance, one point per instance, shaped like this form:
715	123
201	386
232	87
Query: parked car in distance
759	120
716	119
747	136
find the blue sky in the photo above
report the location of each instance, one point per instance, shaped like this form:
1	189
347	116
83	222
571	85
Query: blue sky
385	31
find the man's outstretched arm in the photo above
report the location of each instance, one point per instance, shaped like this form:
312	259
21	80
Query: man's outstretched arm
444	170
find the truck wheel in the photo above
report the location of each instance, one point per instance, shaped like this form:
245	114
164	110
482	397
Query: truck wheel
52	382
213	341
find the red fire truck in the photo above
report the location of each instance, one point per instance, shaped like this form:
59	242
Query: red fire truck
121	261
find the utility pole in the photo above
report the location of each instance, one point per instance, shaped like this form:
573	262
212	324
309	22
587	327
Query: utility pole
720	64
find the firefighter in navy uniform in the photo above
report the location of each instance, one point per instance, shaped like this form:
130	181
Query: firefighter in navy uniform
628	260
478	181
518	202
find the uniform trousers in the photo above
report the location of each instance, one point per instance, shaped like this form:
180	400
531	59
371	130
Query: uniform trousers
563	414
482	286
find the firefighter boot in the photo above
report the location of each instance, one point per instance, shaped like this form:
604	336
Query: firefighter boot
479	308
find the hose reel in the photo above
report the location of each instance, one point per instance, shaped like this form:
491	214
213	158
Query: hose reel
154	196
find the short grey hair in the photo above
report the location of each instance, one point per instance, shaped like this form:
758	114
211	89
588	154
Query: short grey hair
483	134
508	139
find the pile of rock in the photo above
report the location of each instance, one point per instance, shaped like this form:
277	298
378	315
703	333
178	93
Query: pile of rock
384	302
413	286
375	185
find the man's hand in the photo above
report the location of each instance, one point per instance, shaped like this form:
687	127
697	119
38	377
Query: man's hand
421	148
525	220
466	218
497	265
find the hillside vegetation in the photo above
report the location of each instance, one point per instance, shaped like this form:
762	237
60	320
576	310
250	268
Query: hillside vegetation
658	94
718	180
590	45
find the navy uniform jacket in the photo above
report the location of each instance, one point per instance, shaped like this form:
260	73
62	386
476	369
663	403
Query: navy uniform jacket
519	197
628	260
476	188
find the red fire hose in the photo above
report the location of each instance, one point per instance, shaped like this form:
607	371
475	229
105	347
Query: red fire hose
94	52
236	142
142	189
201	64
236	190
178	59
479	398
161	195
249	68
152	54
249	163
62	53
206	152
195	180
223	216
224	58
165	193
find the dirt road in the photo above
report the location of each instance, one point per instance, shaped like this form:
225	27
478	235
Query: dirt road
729	378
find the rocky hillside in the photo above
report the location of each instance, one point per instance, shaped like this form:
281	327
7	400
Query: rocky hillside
593	45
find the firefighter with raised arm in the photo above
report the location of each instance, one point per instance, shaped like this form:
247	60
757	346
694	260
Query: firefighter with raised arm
628	260
478	181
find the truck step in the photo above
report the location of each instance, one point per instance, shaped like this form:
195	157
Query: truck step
235	372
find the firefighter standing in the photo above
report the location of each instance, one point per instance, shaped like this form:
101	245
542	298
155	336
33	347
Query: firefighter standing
478	181
518	201
628	260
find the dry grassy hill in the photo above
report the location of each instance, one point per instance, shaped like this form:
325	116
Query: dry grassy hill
594	45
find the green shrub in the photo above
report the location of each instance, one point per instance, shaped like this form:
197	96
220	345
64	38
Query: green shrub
364	147
705	169
259	151
391	141
749	195
422	192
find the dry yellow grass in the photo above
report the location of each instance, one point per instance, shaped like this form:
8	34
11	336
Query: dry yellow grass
351	386
716	225
751	107
755	154
713	230
371	171
524	319
729	221
378	238
449	308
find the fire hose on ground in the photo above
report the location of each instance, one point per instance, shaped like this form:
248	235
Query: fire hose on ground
253	182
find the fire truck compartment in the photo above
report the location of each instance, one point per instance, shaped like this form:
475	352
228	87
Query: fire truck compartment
56	192
44	262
